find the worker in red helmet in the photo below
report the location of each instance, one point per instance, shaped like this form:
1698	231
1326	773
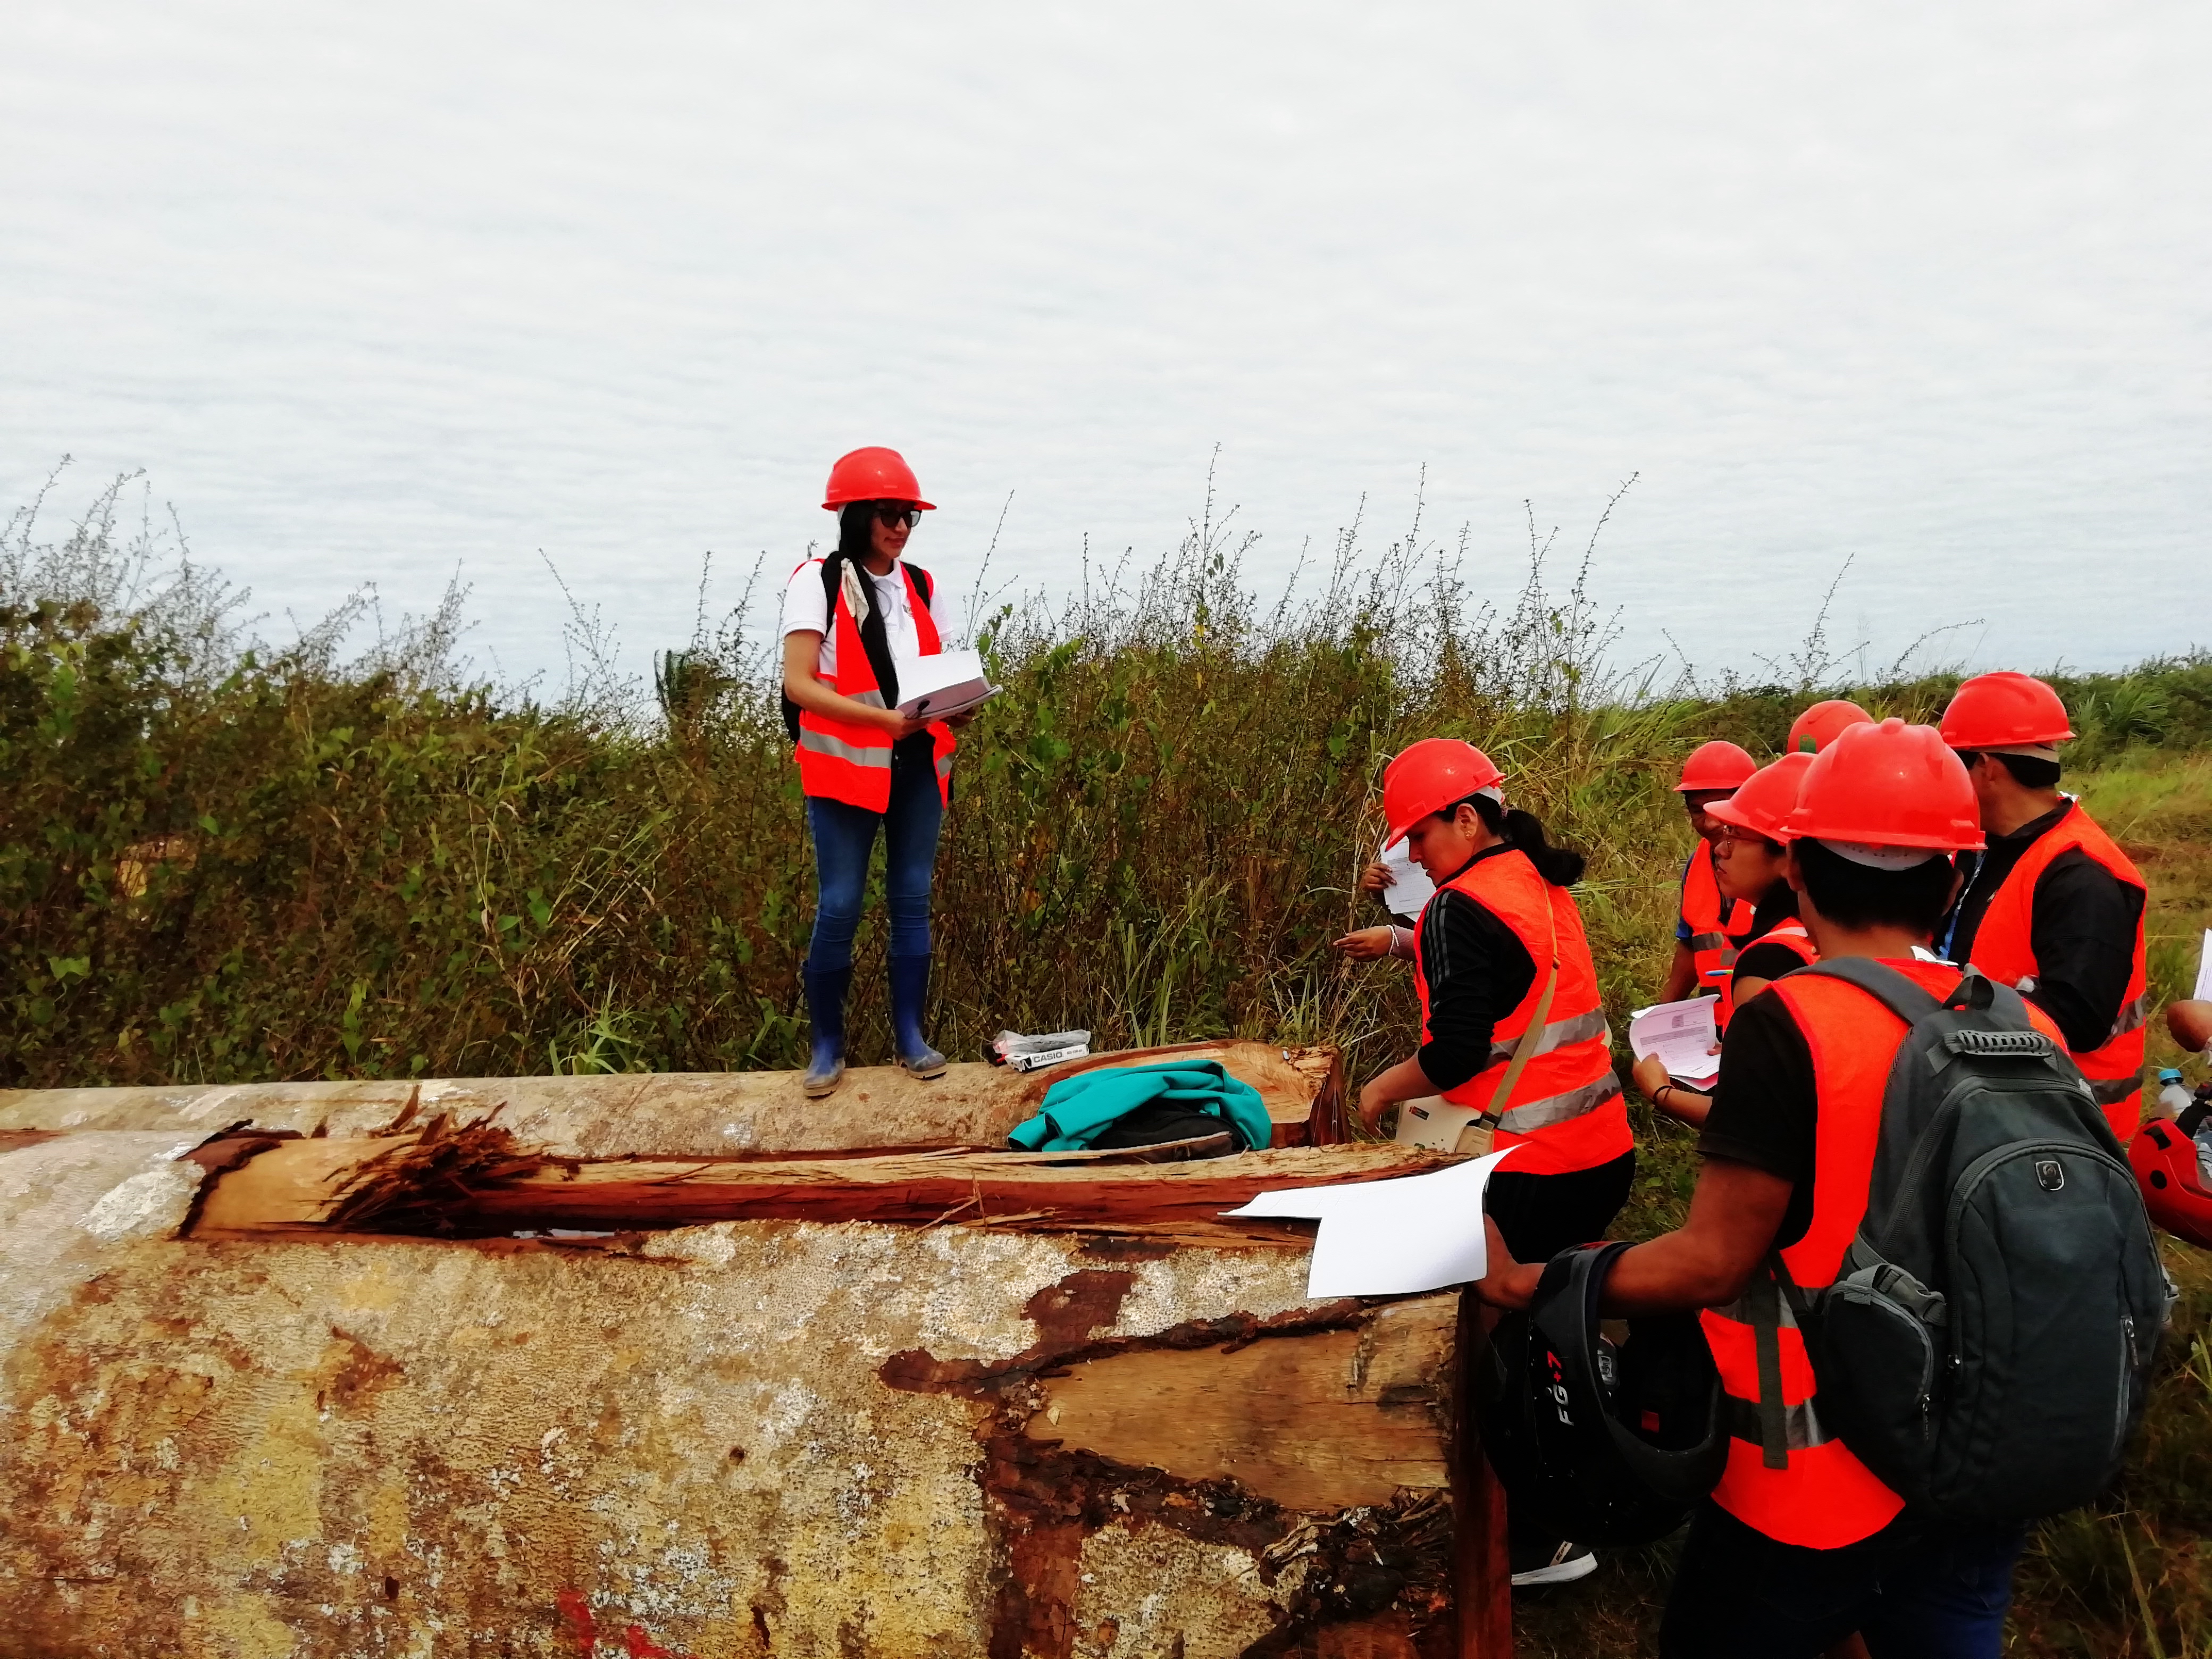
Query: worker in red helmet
849	621
1800	1544
1752	860
1512	1022
1820	725
1705	925
2054	909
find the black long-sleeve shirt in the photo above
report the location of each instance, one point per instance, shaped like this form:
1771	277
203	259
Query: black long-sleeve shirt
2082	928
1477	972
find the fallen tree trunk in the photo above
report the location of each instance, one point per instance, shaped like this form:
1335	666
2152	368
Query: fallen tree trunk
688	1114
475	1182
760	1437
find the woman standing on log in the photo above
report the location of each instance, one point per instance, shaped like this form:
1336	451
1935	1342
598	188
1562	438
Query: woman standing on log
1512	1022
849	621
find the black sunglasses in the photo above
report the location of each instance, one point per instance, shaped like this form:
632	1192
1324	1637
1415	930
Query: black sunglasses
892	514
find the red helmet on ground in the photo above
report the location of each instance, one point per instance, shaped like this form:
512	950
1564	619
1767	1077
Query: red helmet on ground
2005	710
1764	804
1819	725
2165	1163
1715	765
873	474
1891	785
1429	775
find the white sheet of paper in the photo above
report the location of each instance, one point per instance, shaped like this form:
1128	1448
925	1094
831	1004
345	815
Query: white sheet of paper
2204	969
1391	1237
1682	1035
1410	887
949	683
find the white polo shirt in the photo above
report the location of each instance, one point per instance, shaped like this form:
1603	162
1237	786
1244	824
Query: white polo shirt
805	611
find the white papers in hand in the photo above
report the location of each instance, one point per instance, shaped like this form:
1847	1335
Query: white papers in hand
1391	1237
1410	887
2204	969
936	688
1683	1035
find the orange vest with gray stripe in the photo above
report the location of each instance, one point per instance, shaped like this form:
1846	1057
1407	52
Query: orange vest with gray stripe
1566	1106
1711	920
847	761
1807	1489
2004	949
1789	933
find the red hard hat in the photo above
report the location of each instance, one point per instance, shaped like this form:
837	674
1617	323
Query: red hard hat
1429	775
1764	802
871	475
1715	765
1819	723
1891	785
2005	710
2165	1163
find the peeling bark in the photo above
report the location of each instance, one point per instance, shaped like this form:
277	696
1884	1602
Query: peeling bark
475	1181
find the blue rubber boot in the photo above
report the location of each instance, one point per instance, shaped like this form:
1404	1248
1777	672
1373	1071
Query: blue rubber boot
909	996
825	1010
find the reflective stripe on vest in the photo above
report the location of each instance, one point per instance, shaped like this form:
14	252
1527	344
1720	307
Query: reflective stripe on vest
1535	1115
1558	1033
849	761
1807	1489
1566	1110
2004	949
1711	919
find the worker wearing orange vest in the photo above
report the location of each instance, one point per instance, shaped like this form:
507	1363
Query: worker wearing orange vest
864	767
1801	1545
1751	859
1705	952
1511	1022
2053	908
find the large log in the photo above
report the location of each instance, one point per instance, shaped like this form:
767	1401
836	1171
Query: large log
478	1182
686	1114
752	1438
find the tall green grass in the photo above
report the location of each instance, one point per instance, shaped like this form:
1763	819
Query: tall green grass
225	861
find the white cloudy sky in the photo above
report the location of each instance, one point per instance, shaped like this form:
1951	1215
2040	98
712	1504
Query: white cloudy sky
373	291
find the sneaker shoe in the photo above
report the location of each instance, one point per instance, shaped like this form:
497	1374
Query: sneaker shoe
1552	1564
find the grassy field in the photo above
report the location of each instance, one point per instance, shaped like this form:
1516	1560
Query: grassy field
222	860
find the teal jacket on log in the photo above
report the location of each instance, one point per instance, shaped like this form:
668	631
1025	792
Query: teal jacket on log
1076	1109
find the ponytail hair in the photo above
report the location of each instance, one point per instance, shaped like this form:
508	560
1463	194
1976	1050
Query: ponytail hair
1561	866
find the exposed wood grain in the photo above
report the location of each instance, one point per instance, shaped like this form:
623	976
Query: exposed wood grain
1325	1421
298	1186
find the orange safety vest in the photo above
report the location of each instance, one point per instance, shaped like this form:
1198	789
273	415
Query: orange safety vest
1822	1497
847	761
2003	949
1711	920
1567	1106
1789	931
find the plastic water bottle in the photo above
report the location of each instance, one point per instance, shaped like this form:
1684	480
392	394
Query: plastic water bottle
2172	1098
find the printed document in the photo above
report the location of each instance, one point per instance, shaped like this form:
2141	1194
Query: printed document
1410	887
1391	1237
936	688
2204	969
1684	1036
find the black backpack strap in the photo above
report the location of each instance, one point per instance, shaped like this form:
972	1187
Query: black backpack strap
1882	982
922	583
1763	1302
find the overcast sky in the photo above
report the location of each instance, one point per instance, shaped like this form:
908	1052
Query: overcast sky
373	292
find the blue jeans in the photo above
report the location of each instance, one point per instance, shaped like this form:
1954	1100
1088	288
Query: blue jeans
844	837
1914	1591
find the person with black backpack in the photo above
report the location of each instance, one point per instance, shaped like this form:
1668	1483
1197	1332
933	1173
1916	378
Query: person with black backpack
1925	1276
864	767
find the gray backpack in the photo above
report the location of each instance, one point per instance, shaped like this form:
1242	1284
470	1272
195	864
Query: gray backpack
1987	1344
